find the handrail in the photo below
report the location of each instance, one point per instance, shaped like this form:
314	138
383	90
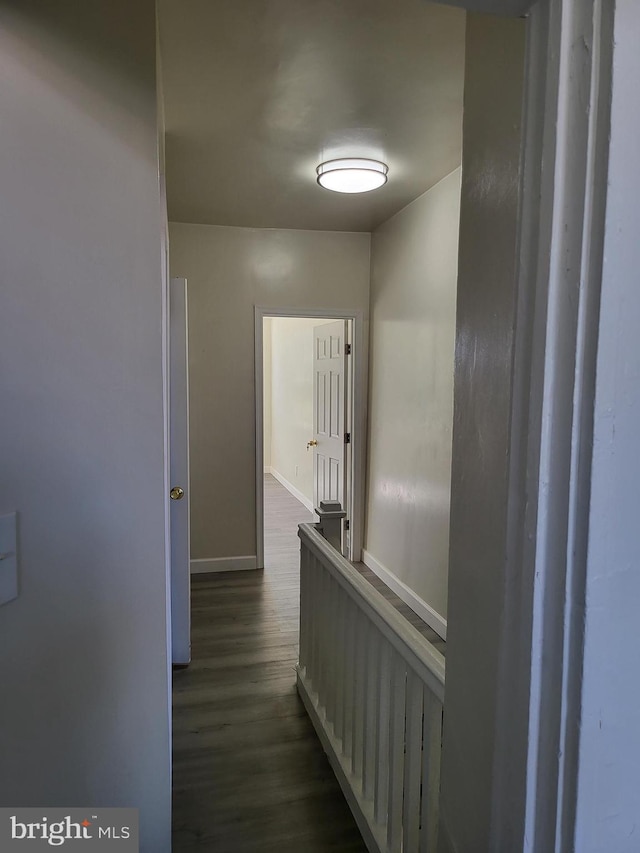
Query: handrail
425	660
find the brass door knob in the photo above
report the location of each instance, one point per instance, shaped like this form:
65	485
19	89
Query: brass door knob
312	443
176	493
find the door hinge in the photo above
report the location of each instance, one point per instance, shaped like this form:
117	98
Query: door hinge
347	438
347	349
346	524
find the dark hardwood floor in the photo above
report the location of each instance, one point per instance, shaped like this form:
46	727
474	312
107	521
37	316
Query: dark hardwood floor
249	772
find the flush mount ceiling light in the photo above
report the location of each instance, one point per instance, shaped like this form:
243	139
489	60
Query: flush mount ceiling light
352	175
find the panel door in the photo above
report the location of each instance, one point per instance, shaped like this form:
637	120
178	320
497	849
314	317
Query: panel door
329	409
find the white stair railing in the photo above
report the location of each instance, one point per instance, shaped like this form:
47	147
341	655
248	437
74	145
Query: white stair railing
374	689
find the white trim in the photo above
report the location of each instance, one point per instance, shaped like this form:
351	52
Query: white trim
297	494
360	369
205	565
418	605
505	8
179	514
574	193
166	478
267	469
258	343
561	228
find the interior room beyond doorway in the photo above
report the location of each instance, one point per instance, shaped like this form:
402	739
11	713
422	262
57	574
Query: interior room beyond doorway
288	403
305	401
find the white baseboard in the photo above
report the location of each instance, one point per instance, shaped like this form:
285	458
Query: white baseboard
421	608
267	469
291	488
223	564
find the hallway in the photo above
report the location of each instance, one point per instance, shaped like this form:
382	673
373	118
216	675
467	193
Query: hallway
249	773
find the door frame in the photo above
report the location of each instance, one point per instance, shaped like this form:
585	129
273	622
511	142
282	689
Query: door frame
561	225
180	532
358	415
561	230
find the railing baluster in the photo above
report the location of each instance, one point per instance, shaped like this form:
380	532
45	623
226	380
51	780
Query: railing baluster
322	626
340	645
412	764
431	750
309	631
349	681
304	618
317	626
332	651
311	626
317	656
396	754
371	714
362	627
324	663
382	741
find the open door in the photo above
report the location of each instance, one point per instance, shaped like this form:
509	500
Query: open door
329	412
179	473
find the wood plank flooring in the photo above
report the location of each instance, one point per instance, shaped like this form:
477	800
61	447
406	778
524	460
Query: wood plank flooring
249	772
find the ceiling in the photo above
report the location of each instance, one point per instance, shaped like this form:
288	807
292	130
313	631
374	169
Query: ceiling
258	92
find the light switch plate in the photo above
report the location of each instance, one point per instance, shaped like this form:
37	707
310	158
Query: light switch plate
8	557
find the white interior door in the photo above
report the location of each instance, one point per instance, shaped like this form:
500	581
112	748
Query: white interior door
329	412
179	473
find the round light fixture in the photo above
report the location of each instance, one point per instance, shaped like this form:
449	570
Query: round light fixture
352	175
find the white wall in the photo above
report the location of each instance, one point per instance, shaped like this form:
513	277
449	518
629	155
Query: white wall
413	302
292	401
230	270
84	716
483	368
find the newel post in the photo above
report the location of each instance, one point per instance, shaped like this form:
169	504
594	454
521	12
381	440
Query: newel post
330	524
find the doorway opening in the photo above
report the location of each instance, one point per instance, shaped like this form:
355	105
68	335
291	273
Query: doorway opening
310	418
